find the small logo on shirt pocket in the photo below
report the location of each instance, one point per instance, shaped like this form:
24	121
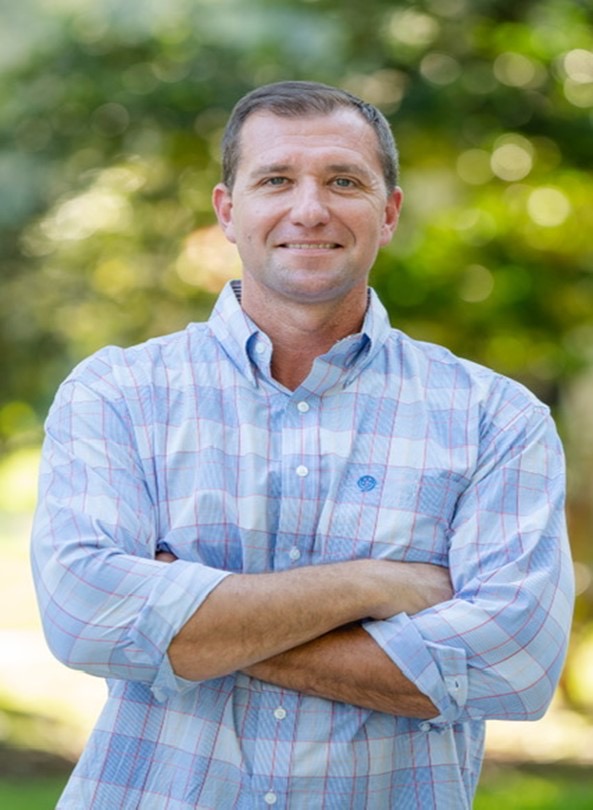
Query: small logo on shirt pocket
366	482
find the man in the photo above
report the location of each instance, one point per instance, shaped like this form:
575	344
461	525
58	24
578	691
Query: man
365	539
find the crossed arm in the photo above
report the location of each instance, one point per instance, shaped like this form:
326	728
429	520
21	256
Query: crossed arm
301	630
347	665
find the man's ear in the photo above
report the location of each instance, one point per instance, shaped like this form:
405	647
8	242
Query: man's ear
392	209
223	206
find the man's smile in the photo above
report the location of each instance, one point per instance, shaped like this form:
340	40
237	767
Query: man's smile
310	245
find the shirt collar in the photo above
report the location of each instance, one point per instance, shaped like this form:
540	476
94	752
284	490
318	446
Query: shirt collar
250	349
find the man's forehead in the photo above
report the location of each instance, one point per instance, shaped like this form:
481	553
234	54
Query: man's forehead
307	120
269	137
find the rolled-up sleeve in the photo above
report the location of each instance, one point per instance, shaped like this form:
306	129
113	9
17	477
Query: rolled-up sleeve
496	649
107	606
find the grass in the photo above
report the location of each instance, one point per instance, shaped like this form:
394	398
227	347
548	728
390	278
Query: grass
535	788
33	794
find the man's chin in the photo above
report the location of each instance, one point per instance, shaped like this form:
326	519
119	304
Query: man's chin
314	293
311	286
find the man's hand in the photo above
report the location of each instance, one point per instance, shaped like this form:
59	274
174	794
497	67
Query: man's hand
407	587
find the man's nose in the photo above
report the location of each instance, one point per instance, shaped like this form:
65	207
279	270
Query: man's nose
309	205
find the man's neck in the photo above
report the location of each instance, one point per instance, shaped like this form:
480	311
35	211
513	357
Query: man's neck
301	333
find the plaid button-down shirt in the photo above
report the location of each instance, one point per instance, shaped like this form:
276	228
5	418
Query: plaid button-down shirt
390	448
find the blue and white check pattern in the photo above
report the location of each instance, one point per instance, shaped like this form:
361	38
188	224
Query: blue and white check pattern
390	448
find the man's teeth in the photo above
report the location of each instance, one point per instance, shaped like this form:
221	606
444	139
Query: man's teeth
310	245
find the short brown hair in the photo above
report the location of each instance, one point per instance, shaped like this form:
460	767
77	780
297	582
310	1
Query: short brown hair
293	99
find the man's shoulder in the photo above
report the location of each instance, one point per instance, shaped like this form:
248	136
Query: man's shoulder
435	366
155	361
425	354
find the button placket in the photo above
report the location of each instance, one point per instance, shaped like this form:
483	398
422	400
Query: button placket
299	483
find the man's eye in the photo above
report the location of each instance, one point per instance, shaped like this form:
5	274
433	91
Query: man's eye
344	182
275	181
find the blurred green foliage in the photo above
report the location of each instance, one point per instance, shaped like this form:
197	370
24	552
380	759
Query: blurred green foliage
110	120
110	116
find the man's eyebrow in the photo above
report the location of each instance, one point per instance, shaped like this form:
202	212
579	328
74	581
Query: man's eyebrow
335	168
350	168
270	168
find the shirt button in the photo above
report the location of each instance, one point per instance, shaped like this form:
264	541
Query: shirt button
260	348
424	726
303	407
302	471
294	554
270	798
279	713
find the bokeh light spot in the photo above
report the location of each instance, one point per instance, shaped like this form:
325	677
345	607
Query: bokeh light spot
548	207
512	158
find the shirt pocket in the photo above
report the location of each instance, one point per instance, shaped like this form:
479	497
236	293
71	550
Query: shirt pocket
393	513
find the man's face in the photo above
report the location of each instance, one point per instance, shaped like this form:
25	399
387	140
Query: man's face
309	209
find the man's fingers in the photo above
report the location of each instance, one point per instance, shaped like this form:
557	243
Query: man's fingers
165	556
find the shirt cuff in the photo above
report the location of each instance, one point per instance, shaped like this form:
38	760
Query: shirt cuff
439	671
167	684
174	599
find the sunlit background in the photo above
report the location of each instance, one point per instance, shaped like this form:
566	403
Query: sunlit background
111	113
